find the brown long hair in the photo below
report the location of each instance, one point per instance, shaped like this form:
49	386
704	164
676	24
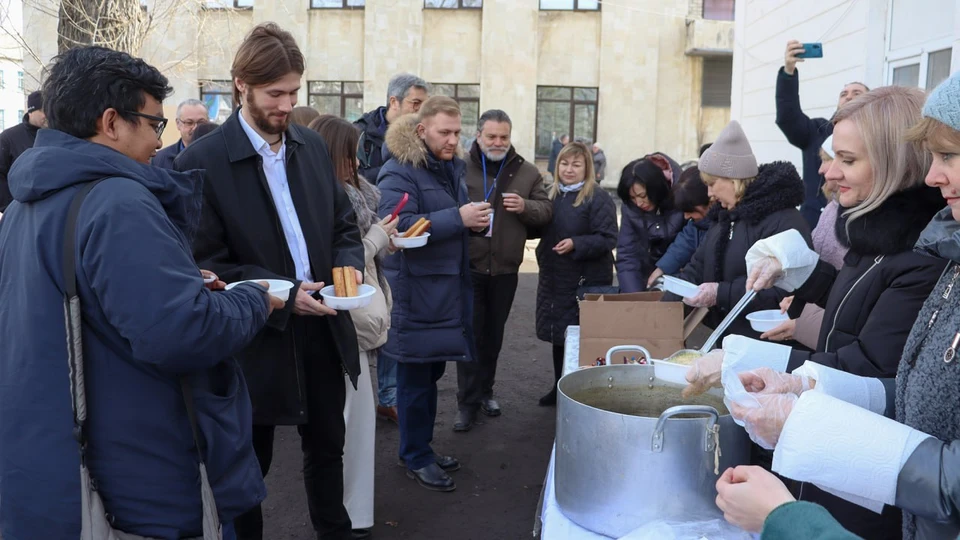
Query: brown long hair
342	139
267	54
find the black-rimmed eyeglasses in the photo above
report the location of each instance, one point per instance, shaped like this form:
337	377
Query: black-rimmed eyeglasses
161	121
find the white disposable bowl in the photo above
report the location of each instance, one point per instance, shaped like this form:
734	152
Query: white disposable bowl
410	243
208	280
766	320
670	372
680	287
278	288
364	297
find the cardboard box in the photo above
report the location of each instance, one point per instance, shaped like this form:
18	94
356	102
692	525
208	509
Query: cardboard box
633	319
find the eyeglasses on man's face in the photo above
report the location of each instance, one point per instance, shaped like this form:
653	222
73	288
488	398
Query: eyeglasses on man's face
191	123
161	121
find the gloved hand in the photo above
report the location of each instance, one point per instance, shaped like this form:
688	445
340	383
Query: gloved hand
768	381
764	424
704	374
764	274
706	298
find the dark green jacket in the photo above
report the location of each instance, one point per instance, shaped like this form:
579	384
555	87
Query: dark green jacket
802	521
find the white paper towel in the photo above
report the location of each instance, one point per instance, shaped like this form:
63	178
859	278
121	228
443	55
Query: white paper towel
846	450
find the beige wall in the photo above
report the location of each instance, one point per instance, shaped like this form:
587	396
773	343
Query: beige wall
634	52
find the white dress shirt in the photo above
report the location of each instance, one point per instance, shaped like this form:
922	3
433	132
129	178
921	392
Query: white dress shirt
275	169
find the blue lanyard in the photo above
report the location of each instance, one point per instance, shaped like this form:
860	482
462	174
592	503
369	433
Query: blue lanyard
486	192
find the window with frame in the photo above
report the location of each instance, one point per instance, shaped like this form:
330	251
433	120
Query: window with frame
919	48
337	4
19	80
570	5
716	82
343	99
468	96
19	113
718	10
565	110
218	97
228	4
453	4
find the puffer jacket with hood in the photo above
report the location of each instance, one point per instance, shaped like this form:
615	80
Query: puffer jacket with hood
147	320
432	316
768	207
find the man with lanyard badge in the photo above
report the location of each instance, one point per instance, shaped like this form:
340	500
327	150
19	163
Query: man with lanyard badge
498	175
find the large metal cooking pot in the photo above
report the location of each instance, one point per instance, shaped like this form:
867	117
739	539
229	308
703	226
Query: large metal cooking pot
615	472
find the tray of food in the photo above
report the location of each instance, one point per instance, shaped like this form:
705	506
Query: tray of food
416	236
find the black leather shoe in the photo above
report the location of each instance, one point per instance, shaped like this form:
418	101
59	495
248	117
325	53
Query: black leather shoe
465	421
432	477
550	399
489	407
447	463
361	534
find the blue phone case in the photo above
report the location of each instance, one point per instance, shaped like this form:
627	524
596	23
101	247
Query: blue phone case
811	50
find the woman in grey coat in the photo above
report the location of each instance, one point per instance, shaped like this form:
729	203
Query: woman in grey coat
840	433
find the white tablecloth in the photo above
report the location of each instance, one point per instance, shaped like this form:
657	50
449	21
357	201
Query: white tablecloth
554	525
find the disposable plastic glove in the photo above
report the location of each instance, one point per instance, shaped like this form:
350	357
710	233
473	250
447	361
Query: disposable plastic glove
704	374
764	274
765	423
706	298
768	381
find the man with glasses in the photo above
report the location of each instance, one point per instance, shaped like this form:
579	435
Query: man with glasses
190	114
150	326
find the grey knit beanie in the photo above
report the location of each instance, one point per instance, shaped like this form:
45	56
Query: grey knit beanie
730	156
943	105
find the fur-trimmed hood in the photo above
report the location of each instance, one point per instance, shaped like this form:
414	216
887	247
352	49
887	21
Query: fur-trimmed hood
778	186
895	226
404	145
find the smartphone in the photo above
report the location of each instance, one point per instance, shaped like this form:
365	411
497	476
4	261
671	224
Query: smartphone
811	50
400	205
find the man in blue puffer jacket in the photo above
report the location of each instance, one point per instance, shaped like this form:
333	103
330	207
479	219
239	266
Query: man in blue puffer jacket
147	321
432	319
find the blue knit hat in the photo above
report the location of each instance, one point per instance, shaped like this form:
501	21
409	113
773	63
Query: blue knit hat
943	105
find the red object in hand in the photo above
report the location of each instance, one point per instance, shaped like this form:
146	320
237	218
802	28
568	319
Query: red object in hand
400	205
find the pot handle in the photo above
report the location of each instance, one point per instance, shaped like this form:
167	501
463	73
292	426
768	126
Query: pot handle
622	348
709	441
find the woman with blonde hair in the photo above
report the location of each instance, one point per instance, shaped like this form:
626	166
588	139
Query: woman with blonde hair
575	250
870	304
371	322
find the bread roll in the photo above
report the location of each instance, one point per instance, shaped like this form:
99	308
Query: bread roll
410	232
339	284
350	280
422	228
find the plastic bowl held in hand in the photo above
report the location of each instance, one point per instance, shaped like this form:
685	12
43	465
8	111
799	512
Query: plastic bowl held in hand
364	297
680	287
675	372
209	280
764	321
409	243
278	288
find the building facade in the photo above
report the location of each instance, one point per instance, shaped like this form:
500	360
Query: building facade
13	99
877	42
635	75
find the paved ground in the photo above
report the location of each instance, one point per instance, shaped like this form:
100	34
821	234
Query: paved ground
504	460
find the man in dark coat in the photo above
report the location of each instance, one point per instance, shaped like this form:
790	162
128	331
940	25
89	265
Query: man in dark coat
15	140
555	149
513	186
405	94
433	297
148	323
804	132
190	114
273	208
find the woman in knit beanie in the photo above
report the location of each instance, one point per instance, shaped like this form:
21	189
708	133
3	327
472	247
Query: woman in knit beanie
752	203
914	462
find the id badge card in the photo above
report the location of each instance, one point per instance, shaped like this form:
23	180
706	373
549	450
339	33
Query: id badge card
490	227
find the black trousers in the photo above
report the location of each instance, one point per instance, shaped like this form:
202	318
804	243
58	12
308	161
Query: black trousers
492	300
321	440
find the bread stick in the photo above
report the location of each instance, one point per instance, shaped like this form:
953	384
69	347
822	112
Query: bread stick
350	280
339	284
412	229
418	231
